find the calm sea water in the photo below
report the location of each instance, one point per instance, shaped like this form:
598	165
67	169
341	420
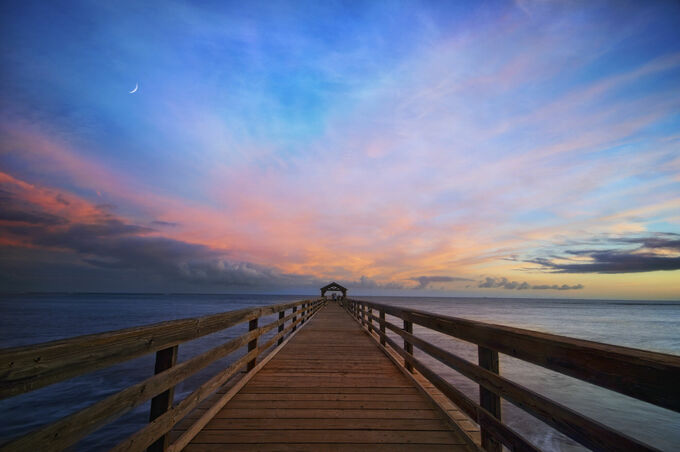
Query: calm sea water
651	325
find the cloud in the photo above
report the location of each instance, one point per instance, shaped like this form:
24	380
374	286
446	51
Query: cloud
504	283
614	262
369	283
113	245
424	281
556	287
652	252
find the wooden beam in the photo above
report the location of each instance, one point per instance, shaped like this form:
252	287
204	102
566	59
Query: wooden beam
408	347
165	359
141	439
589	432
488	359
513	440
252	345
69	430
281	315
24	369
181	442
382	327
645	375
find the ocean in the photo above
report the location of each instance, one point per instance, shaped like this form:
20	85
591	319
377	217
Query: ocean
649	325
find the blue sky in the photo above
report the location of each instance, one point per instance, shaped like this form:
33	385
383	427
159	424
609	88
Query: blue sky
286	143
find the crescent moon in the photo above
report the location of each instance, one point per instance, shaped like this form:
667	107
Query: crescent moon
136	88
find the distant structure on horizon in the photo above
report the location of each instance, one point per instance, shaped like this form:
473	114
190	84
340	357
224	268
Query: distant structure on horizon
333	287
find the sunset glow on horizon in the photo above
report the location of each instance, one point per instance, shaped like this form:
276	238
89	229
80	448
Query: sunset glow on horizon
524	149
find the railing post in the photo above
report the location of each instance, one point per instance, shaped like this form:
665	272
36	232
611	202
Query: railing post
363	314
165	359
369	318
382	327
282	314
408	347
488	359
294	317
252	345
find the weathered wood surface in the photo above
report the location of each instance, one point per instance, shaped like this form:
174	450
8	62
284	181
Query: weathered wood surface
27	368
202	395
645	375
587	431
329	388
68	430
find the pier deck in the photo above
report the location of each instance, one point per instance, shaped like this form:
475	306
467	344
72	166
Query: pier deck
329	388
314	375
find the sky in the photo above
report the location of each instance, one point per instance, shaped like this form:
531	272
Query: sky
494	149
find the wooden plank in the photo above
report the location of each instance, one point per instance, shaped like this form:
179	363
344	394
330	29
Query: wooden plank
68	430
327	400
147	435
326	436
587	431
208	414
333	404
503	433
164	423
27	368
321	447
328	390
645	375
238	413
432	394
330	397
324	424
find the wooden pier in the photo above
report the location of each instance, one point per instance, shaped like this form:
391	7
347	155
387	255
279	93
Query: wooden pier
330	388
325	375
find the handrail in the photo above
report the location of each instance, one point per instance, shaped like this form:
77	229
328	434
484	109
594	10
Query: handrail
30	367
26	368
646	375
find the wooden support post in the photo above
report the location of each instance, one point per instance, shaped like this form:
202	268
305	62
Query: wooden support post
294	317
370	320
165	359
252	345
282	314
382	327
304	312
408	347
363	314
488	359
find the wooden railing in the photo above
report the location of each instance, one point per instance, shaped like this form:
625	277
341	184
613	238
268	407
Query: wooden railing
25	369
648	376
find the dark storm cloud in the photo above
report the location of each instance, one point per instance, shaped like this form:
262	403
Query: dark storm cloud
108	243
30	217
424	281
665	241
654	252
504	283
614	262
